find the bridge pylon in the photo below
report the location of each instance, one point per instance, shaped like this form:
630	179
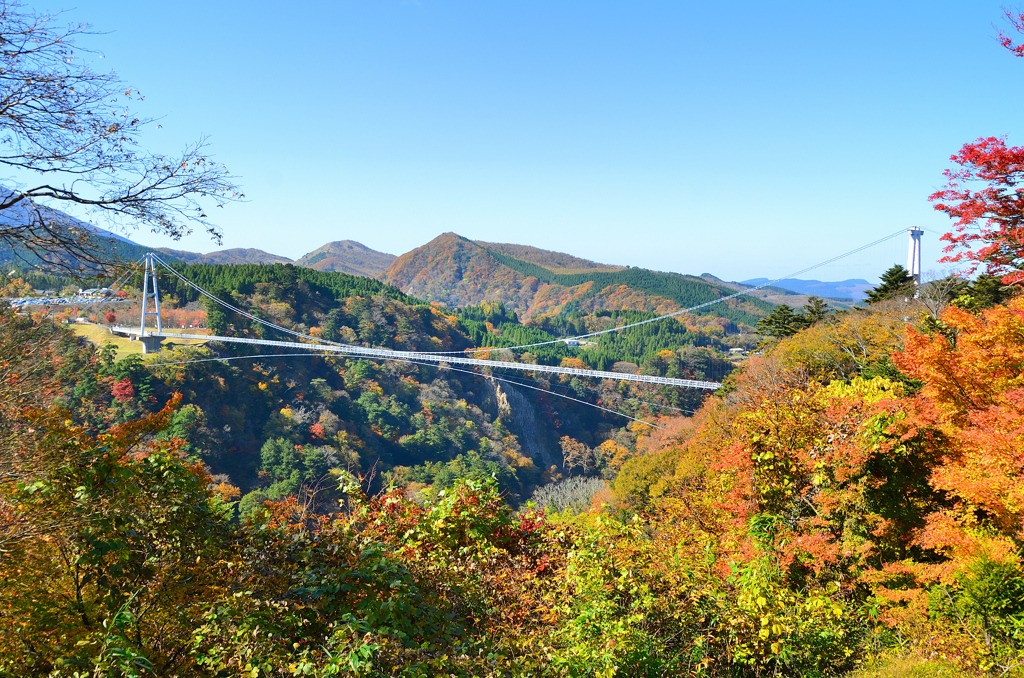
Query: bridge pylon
914	254
150	306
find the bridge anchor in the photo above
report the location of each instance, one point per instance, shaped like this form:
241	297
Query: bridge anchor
150	344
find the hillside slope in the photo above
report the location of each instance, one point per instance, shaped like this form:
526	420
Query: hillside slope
347	256
236	255
557	262
456	271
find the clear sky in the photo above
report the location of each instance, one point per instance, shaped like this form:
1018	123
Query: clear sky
743	139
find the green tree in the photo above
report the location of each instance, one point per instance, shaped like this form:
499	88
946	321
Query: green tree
895	282
331	327
216	315
984	292
814	310
188	426
782	322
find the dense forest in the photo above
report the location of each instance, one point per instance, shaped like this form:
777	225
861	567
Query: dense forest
848	499
849	503
243	278
687	291
275	427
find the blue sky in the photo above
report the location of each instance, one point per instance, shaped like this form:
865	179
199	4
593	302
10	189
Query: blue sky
743	139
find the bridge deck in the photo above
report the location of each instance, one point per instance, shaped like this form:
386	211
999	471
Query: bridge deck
386	354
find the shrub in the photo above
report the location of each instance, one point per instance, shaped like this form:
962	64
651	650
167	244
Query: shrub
572	494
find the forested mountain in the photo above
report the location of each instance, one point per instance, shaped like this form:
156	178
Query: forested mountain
412	422
237	255
458	272
558	262
855	491
245	278
347	256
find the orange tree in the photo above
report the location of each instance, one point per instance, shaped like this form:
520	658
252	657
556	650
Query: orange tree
118	562
974	383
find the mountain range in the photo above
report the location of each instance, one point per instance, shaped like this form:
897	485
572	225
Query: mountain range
455	271
852	290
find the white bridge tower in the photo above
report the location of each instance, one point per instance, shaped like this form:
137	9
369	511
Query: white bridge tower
914	254
150	295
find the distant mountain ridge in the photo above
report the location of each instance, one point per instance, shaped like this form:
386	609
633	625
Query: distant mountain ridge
347	256
235	255
854	288
531	281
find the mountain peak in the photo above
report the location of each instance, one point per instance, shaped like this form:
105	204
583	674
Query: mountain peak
456	271
347	256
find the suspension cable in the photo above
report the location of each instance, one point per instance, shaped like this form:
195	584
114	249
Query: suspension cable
248	315
523	381
359	349
698	306
439	366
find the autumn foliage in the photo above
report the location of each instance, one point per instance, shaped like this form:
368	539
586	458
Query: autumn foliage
984	195
1016	20
989	218
856	494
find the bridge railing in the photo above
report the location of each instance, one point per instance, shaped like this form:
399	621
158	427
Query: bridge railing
387	354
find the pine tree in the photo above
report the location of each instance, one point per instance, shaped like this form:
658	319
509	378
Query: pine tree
331	327
216	316
814	310
782	322
984	292
895	282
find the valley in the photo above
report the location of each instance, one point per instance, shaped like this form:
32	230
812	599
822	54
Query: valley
478	459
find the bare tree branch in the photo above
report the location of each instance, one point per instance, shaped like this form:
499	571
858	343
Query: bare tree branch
74	130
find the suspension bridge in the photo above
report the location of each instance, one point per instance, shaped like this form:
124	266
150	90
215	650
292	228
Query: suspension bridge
151	338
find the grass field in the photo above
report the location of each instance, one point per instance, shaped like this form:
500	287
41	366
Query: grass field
99	335
908	667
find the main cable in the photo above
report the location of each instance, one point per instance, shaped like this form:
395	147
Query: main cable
438	366
692	308
250	316
358	349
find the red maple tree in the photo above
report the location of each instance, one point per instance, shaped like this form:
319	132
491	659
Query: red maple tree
985	194
989	229
123	390
1016	19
